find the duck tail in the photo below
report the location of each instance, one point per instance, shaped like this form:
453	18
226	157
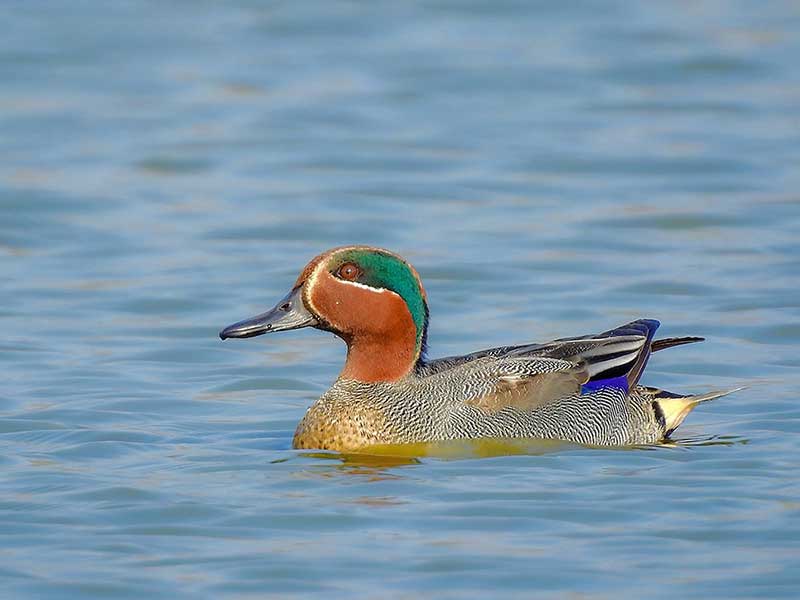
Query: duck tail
675	407
665	343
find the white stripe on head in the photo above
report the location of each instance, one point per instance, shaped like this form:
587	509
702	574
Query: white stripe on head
310	282
363	286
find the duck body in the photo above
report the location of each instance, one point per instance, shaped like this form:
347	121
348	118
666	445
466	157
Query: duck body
352	416
492	394
584	389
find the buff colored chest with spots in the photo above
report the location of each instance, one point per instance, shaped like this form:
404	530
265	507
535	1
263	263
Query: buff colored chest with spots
582	389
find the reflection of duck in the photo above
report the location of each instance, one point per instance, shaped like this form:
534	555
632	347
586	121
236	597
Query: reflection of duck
582	389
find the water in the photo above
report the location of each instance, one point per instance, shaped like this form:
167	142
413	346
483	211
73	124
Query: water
552	170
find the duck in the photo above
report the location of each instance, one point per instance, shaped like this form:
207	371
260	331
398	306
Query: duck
583	390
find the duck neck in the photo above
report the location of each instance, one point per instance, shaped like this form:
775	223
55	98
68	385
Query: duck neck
373	358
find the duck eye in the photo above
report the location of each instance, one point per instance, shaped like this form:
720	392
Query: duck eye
348	272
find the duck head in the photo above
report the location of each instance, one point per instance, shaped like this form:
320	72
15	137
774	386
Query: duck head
369	297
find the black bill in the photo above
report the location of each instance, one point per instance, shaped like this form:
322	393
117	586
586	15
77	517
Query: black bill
289	313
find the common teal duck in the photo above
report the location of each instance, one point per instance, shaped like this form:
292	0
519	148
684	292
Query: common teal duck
582	389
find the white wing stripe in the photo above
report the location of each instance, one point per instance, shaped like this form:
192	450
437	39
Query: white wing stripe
613	348
599	367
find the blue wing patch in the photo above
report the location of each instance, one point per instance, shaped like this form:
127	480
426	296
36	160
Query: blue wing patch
620	383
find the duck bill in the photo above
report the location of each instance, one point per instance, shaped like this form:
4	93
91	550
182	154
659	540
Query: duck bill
289	313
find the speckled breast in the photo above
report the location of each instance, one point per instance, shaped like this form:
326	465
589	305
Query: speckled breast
342	426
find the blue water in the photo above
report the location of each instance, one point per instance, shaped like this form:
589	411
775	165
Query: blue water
552	169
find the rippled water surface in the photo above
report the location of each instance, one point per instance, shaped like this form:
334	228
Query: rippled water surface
552	169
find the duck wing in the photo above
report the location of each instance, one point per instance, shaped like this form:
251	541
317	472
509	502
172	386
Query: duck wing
622	351
522	383
528	376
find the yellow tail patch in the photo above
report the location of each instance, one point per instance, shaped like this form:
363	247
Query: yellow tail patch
675	409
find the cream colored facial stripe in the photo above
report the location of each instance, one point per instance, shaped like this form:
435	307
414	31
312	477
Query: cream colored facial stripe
310	283
365	287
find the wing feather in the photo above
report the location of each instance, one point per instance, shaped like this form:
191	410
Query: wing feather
525	384
530	375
